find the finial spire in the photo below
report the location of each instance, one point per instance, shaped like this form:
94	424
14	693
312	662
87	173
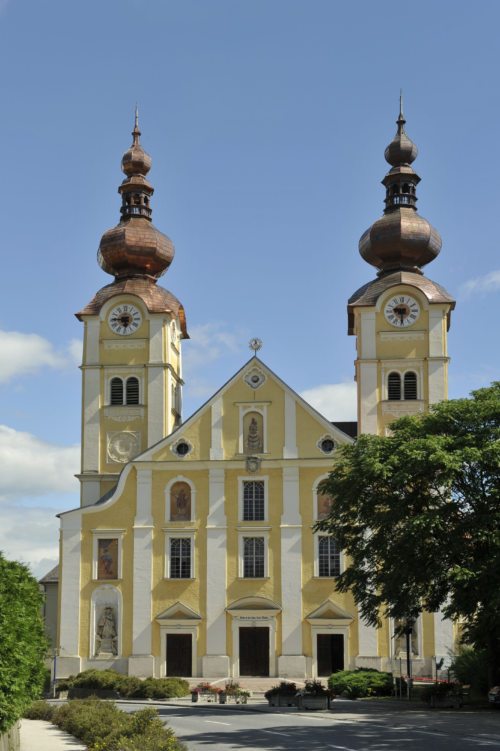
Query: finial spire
136	132
401	118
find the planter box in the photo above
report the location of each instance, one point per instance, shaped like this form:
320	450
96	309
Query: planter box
283	700
307	701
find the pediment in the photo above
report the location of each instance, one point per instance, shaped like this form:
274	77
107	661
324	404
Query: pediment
251	604
329	611
178	612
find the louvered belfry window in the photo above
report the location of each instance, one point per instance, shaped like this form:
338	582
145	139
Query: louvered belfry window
116	391
394	387
410	385
132	390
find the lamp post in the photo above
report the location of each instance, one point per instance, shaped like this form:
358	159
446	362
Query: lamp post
408	630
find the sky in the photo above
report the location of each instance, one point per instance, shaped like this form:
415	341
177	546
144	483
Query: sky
267	122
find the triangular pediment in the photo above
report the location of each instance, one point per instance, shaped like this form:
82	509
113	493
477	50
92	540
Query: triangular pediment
329	610
178	612
268	385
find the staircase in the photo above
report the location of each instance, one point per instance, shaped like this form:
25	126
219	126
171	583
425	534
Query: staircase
256	685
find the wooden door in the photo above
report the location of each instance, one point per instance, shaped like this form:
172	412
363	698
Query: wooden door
254	651
330	650
179	655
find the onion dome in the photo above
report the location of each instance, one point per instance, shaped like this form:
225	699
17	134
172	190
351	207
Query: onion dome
401	239
135	246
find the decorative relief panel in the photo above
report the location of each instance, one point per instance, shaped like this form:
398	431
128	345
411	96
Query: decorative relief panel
254	377
124	344
401	336
124	414
401	408
123	446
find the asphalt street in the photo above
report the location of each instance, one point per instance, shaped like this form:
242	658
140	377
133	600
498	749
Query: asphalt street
349	727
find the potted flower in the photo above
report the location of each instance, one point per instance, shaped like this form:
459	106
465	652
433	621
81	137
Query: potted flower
195	694
314	696
282	695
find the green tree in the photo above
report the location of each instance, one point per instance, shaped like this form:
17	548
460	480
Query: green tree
418	515
23	644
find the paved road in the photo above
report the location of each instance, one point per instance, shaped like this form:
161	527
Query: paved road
350	727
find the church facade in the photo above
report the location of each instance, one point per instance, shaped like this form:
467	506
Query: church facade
193	551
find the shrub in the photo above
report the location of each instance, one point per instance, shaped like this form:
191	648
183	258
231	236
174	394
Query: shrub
127	685
23	644
284	688
470	667
316	688
357	683
165	688
104	727
99	679
39	710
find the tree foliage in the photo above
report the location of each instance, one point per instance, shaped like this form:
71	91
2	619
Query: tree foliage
418	515
23	644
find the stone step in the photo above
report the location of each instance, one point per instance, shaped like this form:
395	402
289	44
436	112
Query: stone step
256	685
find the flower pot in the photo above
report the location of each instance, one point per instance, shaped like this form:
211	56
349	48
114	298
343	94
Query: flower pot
195	696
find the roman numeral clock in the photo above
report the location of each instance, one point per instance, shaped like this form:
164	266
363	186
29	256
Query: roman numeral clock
124	319
401	311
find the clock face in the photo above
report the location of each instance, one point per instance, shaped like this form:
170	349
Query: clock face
401	311
124	319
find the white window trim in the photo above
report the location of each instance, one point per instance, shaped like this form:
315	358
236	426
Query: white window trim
317	535
123	377
106	534
180	478
253	532
261	409
416	368
253	478
317	481
187	534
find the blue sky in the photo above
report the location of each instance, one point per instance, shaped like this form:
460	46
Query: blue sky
267	122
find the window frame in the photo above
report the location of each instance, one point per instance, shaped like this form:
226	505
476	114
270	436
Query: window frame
106	534
317	574
168	487
241	494
180	534
257	533
124	379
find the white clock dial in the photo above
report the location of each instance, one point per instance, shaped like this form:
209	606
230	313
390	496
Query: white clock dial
401	311
124	319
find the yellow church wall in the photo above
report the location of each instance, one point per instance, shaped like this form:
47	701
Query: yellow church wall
120	516
309	431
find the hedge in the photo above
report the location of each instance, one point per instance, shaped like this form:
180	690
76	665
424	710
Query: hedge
126	685
104	727
357	683
23	644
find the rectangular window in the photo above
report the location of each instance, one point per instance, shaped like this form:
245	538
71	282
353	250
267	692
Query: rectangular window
180	558
253	500
328	557
253	557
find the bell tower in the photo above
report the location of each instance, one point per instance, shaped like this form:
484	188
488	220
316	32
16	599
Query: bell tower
133	328
401	318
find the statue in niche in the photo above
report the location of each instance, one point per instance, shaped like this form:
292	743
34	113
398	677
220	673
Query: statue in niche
180	502
106	639
254	443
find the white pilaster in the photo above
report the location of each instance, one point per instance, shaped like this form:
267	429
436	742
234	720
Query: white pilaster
436	333
368	639
69	627
290	447
216	446
367	398
216	661
91	391
141	662
292	661
156	405
155	340
443	636
92	330
368	335
437	380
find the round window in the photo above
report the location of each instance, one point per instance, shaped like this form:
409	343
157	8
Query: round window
327	445
182	448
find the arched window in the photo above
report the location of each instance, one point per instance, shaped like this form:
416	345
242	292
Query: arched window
116	391
394	387
410	386
132	390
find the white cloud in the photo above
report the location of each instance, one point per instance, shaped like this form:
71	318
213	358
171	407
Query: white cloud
30	536
486	283
32	468
209	342
335	401
27	353
75	351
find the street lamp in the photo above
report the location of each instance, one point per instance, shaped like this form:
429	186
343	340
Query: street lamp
408	630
